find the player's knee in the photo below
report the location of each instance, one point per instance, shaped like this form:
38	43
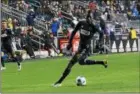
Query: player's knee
73	61
82	62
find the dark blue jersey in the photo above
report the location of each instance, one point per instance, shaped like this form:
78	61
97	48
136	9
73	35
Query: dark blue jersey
6	36
86	31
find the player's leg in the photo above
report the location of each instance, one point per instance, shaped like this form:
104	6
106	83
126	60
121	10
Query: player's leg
2	59
84	61
19	54
67	70
54	48
29	51
48	47
49	50
2	63
17	58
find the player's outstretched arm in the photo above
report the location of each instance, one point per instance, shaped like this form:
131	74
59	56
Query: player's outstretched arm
73	34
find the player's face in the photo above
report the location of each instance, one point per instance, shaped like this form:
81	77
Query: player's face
4	25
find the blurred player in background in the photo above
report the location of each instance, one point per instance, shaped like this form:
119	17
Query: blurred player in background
49	44
6	39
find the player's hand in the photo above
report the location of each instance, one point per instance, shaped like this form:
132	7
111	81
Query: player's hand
69	46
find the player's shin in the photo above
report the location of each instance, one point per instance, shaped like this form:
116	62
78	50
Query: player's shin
65	74
67	70
17	58
93	62
2	63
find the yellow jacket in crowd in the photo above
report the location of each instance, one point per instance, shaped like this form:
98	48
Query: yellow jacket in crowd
10	24
133	34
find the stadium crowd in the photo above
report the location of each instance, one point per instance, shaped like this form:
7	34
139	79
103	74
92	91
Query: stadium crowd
62	16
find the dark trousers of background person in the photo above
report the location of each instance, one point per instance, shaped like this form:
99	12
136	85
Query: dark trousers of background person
29	51
107	39
48	47
132	43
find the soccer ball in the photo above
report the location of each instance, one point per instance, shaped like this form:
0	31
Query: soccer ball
80	81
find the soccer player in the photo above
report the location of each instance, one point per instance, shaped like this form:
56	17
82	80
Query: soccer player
6	39
87	29
49	44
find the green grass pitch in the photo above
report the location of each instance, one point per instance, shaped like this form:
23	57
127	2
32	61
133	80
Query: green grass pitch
122	75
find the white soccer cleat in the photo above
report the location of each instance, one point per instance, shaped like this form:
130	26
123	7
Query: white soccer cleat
19	68
3	68
57	85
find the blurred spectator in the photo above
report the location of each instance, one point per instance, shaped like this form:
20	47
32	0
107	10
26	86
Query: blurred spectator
103	24
135	12
10	23
132	36
26	44
55	26
129	13
48	41
30	17
112	35
107	34
20	5
117	25
30	30
5	1
138	7
16	27
133	33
